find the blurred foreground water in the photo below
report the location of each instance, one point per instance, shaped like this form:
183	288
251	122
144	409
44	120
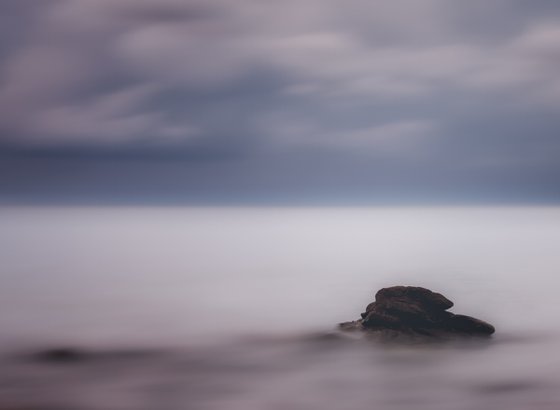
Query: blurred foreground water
231	308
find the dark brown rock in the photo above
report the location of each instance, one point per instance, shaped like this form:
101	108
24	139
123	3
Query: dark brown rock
421	296
379	318
400	314
467	324
407	310
351	326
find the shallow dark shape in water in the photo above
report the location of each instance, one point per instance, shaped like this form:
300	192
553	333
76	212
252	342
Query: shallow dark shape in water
61	355
416	311
70	355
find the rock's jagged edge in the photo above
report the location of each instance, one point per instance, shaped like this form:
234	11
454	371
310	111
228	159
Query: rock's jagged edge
407	313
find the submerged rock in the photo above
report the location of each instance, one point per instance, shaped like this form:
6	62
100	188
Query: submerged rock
74	355
408	311
61	355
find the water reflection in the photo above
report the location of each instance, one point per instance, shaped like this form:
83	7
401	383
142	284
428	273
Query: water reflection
305	372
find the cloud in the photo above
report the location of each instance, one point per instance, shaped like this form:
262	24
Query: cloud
405	83
108	119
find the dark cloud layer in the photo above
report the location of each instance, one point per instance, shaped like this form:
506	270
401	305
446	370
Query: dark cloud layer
316	101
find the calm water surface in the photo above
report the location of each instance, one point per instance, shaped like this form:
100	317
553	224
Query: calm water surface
214	308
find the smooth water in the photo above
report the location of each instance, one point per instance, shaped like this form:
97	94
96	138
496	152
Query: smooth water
214	308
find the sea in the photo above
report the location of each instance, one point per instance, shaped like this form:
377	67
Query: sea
214	308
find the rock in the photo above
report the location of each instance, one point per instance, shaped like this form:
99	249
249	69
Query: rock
409	300
414	311
61	355
399	313
421	296
72	355
351	326
467	324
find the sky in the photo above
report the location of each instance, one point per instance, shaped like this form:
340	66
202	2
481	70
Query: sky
279	102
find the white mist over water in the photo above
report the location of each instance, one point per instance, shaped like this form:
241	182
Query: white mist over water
119	274
105	278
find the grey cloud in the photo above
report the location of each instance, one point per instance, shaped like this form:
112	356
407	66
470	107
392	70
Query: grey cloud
321	93
143	12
